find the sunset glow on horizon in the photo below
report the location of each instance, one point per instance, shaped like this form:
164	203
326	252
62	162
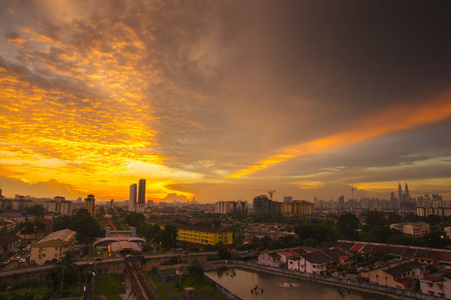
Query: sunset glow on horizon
212	100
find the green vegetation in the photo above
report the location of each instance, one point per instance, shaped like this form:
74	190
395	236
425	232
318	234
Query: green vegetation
30	227
28	289
81	222
195	279
109	285
160	288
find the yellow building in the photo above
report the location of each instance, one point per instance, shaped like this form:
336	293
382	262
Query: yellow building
200	236
53	246
298	208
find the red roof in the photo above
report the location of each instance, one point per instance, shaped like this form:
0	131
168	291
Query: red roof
357	247
287	253
432	278
376	249
344	258
405	281
47	221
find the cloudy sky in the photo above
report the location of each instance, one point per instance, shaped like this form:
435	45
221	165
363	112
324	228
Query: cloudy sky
223	100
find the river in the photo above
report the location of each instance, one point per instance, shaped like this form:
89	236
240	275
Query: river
273	287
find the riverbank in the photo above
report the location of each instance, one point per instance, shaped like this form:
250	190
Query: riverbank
339	283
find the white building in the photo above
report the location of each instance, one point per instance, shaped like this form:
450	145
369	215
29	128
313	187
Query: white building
439	286
53	246
59	205
269	258
312	263
412	228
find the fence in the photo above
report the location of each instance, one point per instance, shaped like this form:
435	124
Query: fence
163	284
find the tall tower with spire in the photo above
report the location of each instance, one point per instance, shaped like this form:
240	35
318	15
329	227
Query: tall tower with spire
400	197
406	192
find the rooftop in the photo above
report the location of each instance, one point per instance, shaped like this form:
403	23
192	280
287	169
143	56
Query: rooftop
64	235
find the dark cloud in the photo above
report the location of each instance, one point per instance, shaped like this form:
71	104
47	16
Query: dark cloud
224	85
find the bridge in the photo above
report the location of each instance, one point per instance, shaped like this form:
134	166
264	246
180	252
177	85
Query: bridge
116	265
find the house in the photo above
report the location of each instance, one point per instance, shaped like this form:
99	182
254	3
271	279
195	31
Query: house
53	246
400	275
436	286
313	263
269	258
285	255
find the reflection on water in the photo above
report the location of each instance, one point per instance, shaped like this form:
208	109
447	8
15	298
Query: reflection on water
251	285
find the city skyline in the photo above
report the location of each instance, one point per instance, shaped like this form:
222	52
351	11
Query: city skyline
216	100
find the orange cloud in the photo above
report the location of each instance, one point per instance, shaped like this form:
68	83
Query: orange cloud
394	119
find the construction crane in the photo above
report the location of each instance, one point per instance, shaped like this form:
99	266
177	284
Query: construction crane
270	192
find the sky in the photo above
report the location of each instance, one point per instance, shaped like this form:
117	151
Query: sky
225	100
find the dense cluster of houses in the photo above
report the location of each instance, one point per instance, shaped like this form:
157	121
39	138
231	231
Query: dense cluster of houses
409	267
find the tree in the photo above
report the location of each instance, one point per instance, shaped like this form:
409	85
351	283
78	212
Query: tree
195	269
375	219
348	225
101	211
60	223
134	218
37	210
223	251
30	227
84	224
168	237
64	272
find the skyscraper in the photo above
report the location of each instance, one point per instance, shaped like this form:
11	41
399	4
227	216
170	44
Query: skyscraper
89	204
400	196
341	202
132	195
142	192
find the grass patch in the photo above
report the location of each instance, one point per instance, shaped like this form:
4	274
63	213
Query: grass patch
160	288
26	289
109	285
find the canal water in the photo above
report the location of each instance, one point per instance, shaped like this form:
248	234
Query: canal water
273	287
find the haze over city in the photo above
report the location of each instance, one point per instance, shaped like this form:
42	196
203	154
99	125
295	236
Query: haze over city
216	100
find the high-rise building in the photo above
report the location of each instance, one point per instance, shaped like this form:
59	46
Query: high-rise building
341	202
59	205
142	192
288	199
400	195
90	202
132	196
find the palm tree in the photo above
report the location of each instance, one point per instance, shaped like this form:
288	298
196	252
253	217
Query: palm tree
66	263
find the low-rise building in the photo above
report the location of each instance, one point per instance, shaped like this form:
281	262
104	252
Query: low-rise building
412	228
436	286
313	263
269	258
53	246
400	275
201	235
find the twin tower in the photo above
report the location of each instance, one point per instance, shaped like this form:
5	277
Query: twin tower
141	190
